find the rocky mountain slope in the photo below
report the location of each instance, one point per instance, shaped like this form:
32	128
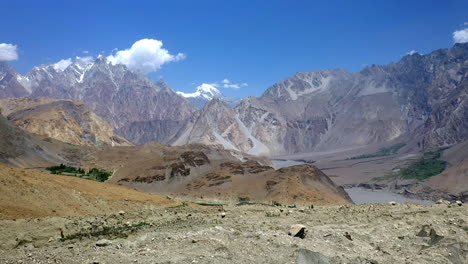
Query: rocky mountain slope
18	148
66	120
422	97
113	92
218	124
9	85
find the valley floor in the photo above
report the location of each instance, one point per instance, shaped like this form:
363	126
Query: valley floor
372	233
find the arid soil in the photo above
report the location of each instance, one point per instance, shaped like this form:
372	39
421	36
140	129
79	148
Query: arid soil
374	233
29	193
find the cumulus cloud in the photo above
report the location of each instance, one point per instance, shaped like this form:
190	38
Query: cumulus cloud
228	84
145	55
62	64
460	36
85	60
8	52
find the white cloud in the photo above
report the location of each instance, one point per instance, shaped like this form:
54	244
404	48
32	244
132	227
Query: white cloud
85	60
411	52
145	55
465	24
62	64
228	84
460	36
85	51
8	52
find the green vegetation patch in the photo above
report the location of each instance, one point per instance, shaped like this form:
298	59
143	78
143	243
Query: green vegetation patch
93	174
381	152
429	165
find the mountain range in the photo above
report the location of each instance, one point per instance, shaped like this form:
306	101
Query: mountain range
421	98
113	92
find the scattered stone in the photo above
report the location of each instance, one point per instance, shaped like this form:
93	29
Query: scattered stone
435	238
348	236
121	212
459	203
103	243
298	230
392	203
306	256
223	214
442	201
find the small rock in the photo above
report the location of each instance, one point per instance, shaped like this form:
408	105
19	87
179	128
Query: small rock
392	203
223	214
459	203
121	212
298	230
103	243
348	236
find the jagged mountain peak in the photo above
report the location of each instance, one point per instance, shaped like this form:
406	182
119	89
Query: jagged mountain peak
114	92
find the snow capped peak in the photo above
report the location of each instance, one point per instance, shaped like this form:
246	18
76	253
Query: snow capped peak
208	90
205	90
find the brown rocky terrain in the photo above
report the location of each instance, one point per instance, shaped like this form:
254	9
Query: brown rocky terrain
201	173
67	120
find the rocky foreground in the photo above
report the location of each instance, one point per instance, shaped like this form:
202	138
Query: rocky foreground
374	233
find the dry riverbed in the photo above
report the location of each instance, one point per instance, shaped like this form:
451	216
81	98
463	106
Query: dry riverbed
371	233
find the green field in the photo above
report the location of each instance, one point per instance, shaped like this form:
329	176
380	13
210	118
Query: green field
381	152
429	165
92	174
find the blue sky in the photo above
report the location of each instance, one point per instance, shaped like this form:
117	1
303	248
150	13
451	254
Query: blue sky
253	42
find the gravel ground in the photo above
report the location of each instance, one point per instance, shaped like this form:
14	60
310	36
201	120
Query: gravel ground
372	233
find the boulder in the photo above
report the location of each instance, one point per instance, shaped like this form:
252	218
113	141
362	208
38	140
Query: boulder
298	230
103	243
